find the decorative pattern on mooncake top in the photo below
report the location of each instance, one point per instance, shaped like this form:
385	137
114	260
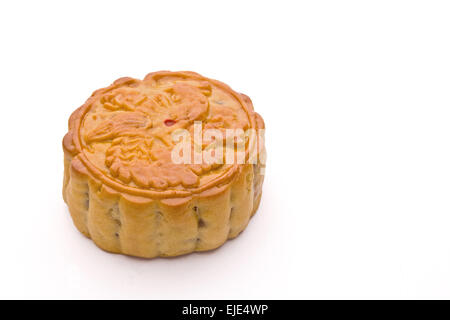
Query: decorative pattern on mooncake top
126	129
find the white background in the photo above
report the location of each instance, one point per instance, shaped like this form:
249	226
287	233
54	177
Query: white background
356	99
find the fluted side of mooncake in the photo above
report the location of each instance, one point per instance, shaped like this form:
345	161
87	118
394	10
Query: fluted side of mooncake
150	228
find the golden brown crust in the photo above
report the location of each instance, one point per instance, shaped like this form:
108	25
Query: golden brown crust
123	191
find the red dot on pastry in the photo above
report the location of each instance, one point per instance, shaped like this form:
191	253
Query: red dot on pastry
169	122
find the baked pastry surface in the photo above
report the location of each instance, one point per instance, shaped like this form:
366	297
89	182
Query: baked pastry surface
123	188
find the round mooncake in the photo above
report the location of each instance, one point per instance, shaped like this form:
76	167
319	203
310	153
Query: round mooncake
163	166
